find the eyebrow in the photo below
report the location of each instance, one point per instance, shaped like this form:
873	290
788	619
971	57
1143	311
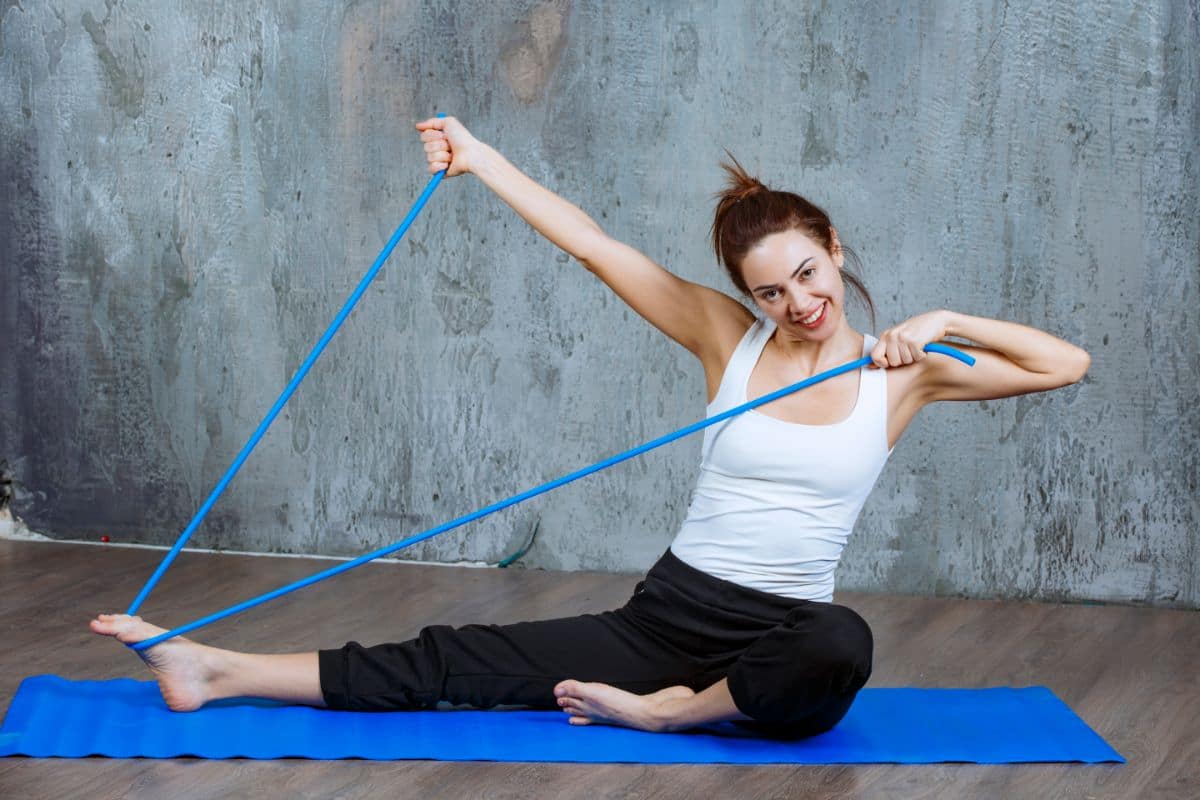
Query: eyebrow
776	285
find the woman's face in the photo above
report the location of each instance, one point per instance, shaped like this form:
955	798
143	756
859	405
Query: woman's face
797	284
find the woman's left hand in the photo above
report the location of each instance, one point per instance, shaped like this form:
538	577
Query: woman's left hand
904	343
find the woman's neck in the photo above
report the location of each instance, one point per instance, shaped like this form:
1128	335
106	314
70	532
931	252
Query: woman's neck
844	345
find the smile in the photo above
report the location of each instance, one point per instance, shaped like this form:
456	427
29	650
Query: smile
815	318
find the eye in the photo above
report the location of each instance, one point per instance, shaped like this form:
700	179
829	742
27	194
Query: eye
770	294
806	273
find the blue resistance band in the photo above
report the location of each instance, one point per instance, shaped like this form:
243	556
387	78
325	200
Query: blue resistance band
933	347
289	390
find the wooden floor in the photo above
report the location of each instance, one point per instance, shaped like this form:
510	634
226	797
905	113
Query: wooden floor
1131	673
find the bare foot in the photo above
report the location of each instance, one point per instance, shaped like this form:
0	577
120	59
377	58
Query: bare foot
185	670
599	703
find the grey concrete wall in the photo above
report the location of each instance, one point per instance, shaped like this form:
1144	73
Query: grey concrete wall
190	191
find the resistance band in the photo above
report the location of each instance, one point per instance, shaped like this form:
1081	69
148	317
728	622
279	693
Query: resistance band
546	487
289	390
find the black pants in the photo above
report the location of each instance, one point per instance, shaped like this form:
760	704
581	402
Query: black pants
794	666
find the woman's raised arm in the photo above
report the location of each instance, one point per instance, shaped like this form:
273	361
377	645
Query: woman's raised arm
699	318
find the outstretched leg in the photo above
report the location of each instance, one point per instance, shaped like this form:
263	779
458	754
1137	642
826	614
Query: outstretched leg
191	674
489	665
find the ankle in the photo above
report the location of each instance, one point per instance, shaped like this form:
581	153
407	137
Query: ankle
669	715
215	670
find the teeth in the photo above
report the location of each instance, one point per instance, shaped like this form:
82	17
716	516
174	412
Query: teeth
811	318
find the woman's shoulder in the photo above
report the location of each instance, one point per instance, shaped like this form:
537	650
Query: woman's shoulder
728	322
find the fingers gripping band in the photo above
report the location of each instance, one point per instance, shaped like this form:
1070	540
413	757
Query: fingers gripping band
526	495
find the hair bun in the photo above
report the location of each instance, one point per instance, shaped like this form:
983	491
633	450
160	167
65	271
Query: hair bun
739	183
748	190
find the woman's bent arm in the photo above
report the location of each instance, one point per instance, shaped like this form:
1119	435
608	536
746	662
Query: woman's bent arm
1029	348
1014	359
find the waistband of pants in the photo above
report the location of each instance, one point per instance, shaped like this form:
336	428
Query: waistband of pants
712	591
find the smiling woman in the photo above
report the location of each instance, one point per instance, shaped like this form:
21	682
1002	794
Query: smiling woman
748	212
736	620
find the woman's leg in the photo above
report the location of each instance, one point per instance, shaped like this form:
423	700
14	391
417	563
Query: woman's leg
642	665
669	635
191	674
488	665
479	665
801	678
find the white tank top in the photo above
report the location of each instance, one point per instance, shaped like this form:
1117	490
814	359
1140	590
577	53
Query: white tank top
776	500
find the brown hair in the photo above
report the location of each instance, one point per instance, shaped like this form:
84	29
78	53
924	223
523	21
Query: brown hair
748	211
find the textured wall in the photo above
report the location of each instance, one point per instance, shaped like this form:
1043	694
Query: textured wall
189	192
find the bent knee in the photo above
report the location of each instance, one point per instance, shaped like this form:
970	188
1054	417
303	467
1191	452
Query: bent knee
807	670
835	639
811	722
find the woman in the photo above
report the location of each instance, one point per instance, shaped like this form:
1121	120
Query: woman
735	621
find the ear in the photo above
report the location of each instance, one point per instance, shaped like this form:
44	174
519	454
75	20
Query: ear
839	257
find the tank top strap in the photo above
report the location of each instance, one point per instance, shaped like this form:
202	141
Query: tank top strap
873	394
741	364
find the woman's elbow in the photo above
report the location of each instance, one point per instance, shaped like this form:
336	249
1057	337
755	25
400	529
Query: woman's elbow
1080	362
590	248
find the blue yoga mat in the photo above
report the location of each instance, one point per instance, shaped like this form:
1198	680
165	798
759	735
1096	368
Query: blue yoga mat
52	716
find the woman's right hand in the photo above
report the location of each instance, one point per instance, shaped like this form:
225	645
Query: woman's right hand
448	145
